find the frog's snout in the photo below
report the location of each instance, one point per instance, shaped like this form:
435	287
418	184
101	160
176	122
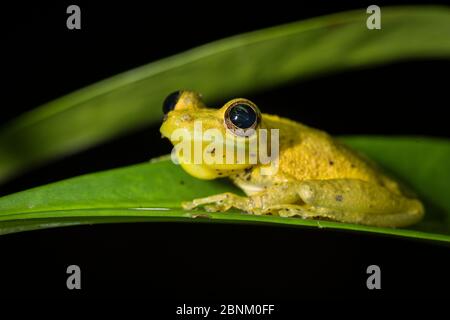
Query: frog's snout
165	129
185	103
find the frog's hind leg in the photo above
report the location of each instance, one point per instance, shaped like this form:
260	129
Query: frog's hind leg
344	200
357	201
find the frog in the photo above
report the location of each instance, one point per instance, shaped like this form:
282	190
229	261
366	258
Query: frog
318	176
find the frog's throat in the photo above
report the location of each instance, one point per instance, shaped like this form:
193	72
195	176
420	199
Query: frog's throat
209	172
199	171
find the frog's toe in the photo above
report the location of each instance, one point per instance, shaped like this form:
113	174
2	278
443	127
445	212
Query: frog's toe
211	204
212	207
219	202
189	205
300	211
291	212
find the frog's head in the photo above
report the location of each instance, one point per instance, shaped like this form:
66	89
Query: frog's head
204	137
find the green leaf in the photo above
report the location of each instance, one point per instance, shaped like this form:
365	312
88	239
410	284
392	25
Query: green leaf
153	192
244	63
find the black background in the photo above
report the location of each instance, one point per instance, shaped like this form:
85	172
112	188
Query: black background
202	262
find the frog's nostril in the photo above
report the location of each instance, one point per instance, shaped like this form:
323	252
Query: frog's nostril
171	101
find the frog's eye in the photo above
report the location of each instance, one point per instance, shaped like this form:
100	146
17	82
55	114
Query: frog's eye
171	101
242	115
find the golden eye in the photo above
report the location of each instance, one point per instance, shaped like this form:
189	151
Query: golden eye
241	116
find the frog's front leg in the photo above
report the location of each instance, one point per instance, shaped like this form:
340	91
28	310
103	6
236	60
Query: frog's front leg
220	202
259	203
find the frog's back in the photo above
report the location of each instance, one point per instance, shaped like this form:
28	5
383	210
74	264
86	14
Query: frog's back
308	154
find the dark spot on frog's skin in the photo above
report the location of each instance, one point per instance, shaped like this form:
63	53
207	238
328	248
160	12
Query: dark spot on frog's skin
182	182
339	198
353	166
330	162
220	174
247	178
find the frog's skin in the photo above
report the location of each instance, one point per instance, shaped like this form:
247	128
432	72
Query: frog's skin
318	177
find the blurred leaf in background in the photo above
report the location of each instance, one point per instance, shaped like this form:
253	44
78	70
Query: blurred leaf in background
244	63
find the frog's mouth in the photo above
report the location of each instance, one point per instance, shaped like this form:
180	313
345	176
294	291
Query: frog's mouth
165	130
203	165
201	162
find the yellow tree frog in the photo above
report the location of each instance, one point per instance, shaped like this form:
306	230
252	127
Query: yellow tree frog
317	178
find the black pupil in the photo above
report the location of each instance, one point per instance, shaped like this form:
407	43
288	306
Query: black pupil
171	101
242	116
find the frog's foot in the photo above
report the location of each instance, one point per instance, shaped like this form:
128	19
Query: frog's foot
220	203
303	211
